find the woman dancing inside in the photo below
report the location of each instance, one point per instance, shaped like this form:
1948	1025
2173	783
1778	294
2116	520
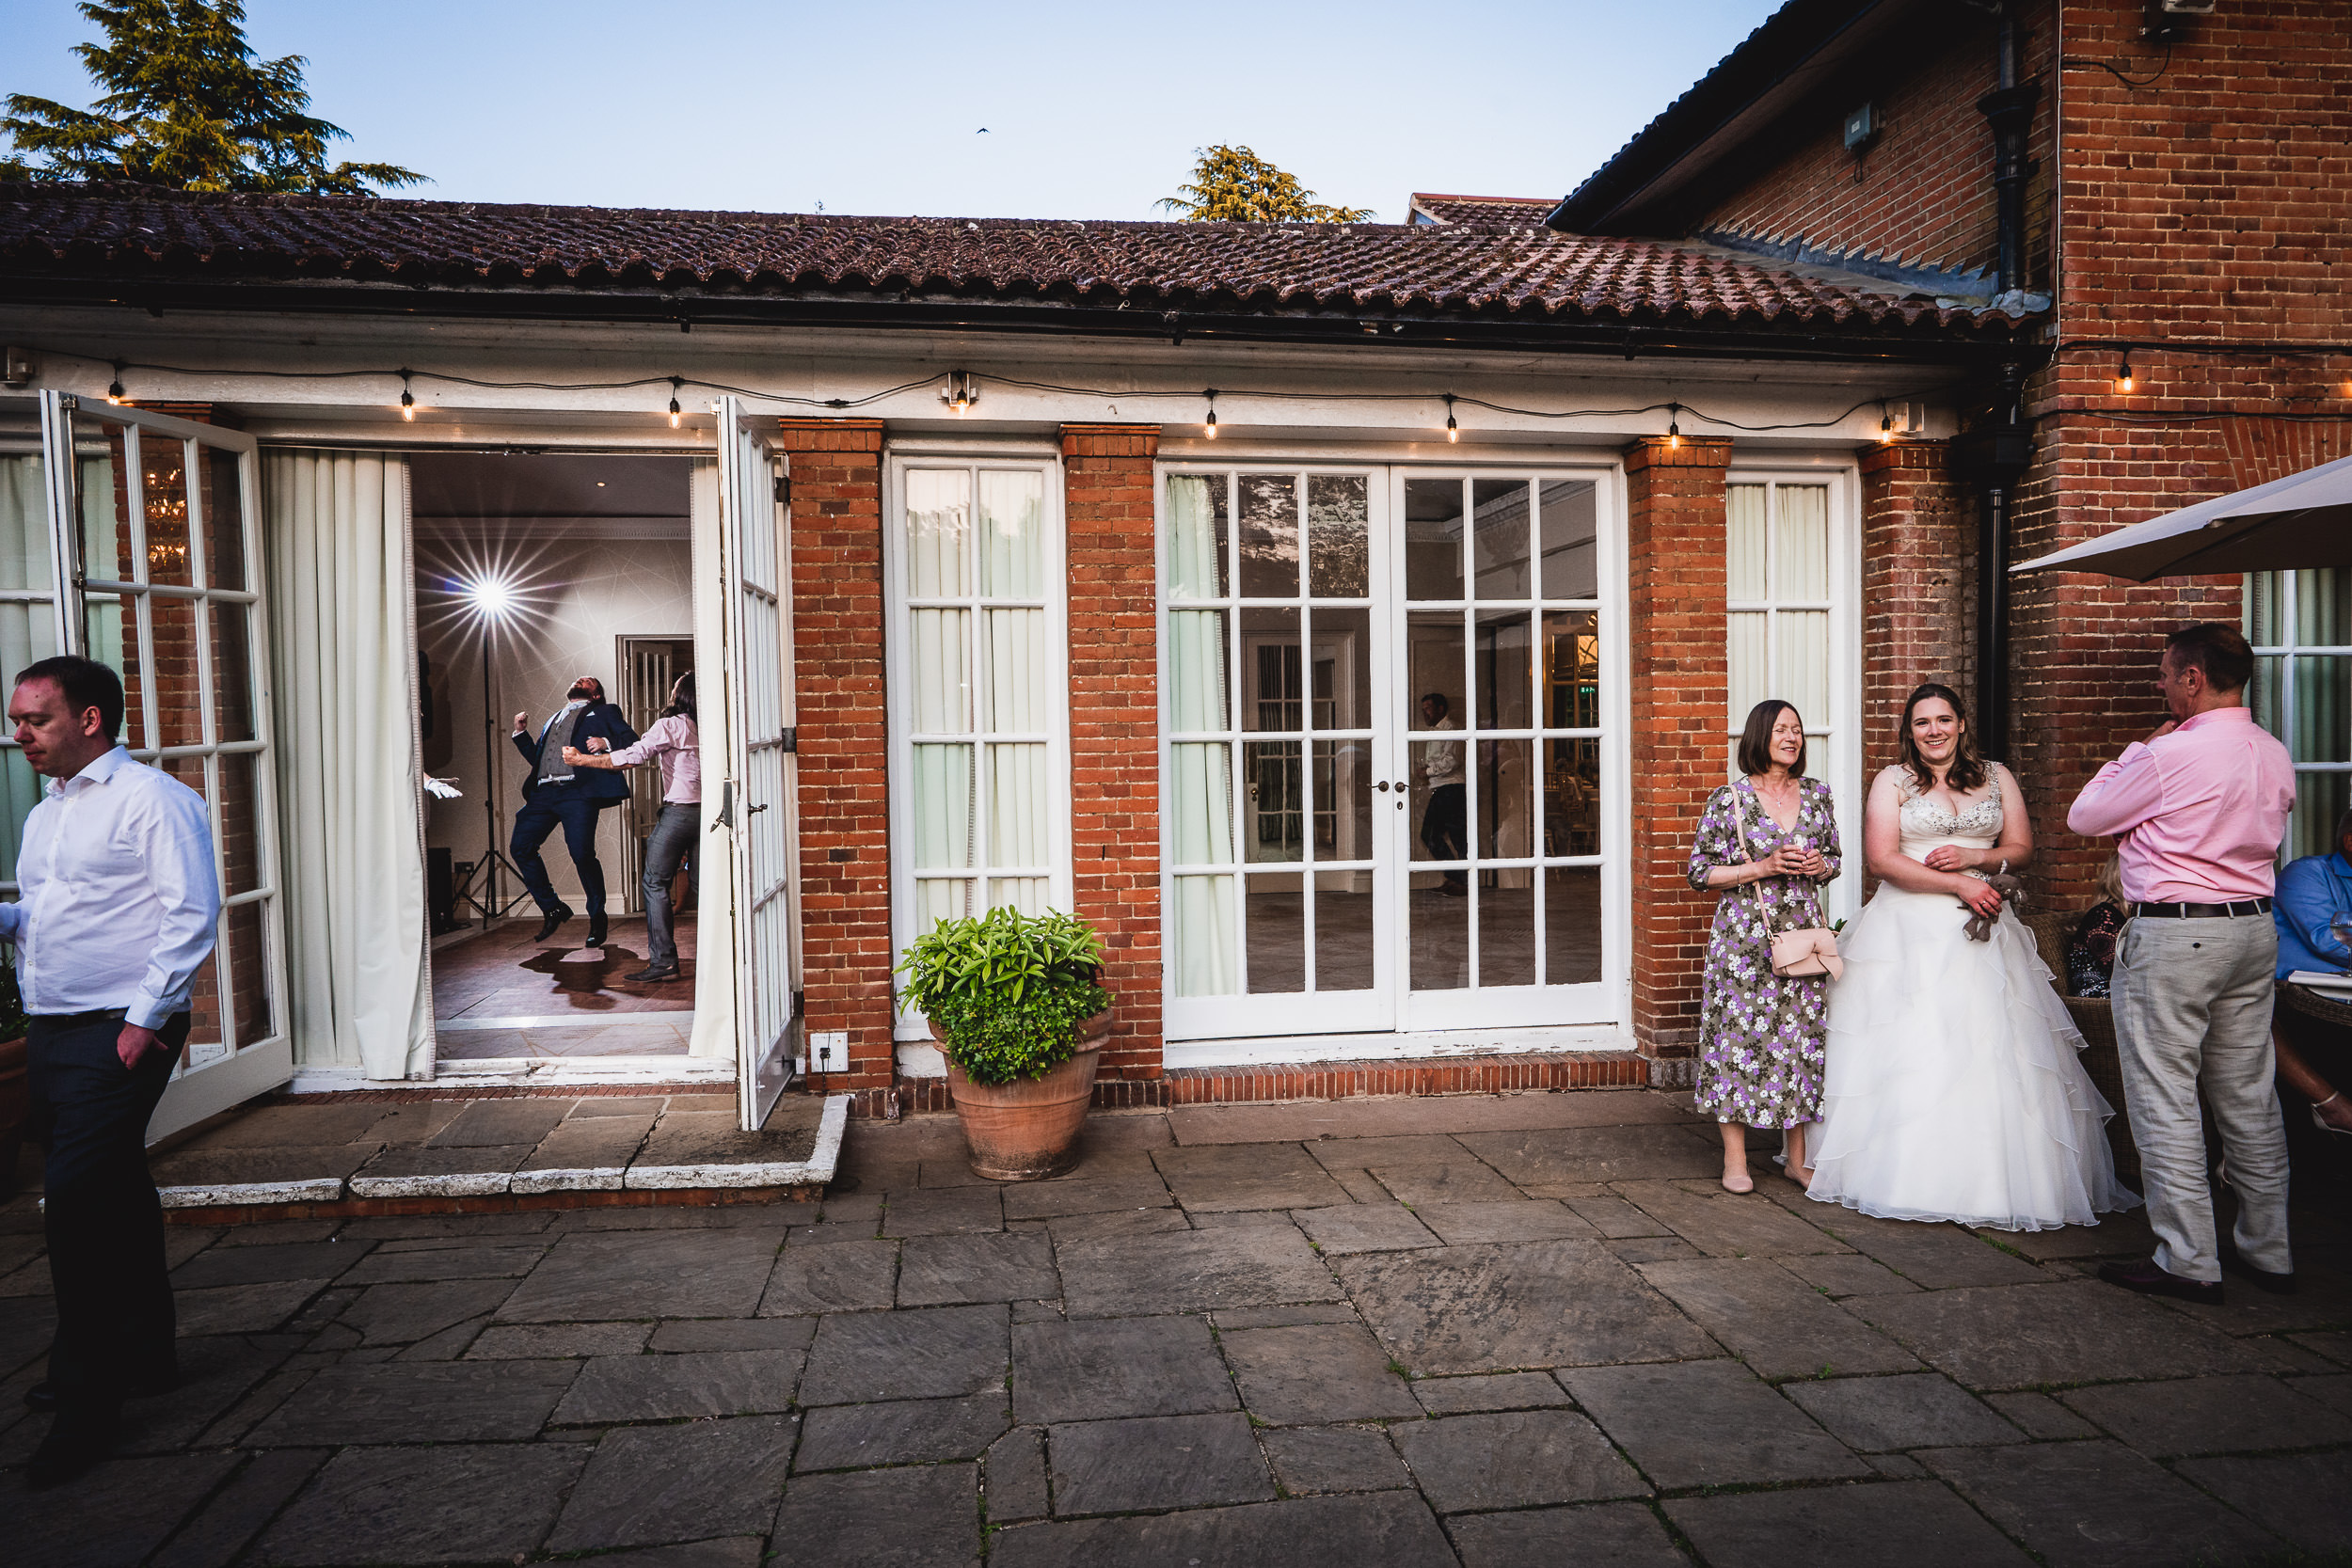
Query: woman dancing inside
1954	1092
1767	844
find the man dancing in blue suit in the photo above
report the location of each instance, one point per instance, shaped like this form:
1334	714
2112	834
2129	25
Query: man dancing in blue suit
554	795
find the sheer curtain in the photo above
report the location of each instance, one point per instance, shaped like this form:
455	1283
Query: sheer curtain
29	628
1200	810
1776	560
344	647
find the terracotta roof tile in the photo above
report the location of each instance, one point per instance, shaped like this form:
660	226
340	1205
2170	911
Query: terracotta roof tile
1482	209
1484	270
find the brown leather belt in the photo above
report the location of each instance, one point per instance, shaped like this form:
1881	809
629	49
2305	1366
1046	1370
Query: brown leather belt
2238	911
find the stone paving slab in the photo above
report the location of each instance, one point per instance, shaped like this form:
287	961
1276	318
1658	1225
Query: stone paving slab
449	1502
843	1277
1727	1224
613	1389
1315	1374
1311	1461
1616	1535
2210	1414
1904	1525
712	1273
938	1353
2096	1505
921	1517
117	1514
1596	1154
1493	1308
1776	1322
1364	1228
1918	1410
420	1403
1707	1423
1258	1265
1516	1460
1085	1371
1460	1396
901	1432
1156	1461
1395	1530
1229	1178
1519	1220
2027	1336
651	1486
938	1271
2305	1497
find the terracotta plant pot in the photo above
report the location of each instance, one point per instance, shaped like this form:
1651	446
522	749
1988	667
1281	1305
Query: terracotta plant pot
1023	1131
16	1106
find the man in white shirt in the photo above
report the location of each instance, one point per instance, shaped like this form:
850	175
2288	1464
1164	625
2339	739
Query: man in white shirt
1445	822
119	903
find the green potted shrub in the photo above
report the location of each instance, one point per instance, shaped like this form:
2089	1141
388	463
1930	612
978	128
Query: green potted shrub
1017	1005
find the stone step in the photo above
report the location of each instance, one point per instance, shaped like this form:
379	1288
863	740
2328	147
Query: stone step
412	1153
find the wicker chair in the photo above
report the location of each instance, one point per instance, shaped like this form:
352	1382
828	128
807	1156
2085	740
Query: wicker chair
2095	1017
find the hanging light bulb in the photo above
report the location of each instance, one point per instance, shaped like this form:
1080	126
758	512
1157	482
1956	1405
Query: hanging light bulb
114	387
1211	395
1453	431
1673	427
677	384
1887	425
2123	382
407	399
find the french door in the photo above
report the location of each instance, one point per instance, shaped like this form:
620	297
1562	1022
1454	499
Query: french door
1391	703
759	793
152	561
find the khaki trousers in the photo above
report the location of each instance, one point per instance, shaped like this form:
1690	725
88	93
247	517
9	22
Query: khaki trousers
2192	1004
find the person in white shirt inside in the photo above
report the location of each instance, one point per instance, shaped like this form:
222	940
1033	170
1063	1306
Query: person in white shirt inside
118	907
1445	821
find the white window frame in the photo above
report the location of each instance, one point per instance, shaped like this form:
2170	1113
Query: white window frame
1838	763
2287	652
909	1025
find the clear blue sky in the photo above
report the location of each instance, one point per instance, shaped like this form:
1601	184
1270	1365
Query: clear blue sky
1091	110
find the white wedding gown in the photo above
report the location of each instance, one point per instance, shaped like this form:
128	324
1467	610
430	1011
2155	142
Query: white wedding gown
1952	1090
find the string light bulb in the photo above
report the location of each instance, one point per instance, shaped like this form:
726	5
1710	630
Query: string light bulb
1453	431
407	400
2123	380
677	384
1211	395
114	387
1887	425
960	393
1673	427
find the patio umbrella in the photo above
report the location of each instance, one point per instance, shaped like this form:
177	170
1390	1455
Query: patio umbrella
2300	521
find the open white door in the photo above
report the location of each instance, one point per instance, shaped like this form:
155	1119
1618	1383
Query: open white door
155	544
760	801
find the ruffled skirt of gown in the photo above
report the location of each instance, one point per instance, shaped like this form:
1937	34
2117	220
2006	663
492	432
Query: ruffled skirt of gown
1952	1090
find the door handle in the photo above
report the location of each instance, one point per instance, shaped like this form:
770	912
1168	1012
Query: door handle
1382	785
755	811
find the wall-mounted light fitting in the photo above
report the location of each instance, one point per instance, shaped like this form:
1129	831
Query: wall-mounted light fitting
114	388
961	392
407	399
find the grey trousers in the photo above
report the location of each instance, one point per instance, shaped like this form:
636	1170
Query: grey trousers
2192	1004
673	835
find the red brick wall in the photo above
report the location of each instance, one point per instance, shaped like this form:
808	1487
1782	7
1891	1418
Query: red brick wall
1923	191
1918	533
844	747
1674	582
2207	206
1114	740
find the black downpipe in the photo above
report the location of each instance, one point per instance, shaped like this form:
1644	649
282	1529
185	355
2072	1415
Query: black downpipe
2002	448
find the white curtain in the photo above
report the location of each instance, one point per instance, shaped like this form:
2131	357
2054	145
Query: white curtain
1200	807
344	648
28	630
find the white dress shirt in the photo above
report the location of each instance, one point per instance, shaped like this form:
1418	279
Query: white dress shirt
1442	760
118	903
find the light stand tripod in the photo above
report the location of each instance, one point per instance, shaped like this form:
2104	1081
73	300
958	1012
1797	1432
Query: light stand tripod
490	600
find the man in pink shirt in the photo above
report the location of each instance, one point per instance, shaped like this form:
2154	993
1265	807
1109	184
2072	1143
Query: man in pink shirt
2201	806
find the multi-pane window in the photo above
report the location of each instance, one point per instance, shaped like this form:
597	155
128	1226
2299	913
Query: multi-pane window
1778	589
2301	625
981	764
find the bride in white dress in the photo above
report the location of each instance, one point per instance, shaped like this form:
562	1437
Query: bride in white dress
1952	1090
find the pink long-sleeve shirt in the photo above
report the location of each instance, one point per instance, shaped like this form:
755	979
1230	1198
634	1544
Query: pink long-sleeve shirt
675	743
2200	810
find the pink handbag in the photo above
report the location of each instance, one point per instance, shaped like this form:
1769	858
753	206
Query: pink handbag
1808	949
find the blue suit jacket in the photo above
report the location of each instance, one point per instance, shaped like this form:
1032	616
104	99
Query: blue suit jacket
604	784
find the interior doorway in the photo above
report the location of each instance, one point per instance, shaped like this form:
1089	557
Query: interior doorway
533	576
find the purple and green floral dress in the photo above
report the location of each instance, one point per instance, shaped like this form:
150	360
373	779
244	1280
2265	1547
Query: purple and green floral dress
1760	1034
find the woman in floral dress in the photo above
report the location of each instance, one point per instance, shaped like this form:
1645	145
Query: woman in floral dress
1767	844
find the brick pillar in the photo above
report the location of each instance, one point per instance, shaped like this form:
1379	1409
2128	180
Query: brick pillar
1114	738
1918	528
844	751
1675	600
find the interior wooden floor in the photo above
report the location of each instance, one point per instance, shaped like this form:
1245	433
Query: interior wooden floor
502	994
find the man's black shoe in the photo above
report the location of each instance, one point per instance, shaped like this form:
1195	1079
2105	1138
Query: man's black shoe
650	975
2150	1280
596	930
77	1439
2261	1279
42	1395
555	917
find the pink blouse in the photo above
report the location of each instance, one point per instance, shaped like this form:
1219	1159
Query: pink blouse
673	741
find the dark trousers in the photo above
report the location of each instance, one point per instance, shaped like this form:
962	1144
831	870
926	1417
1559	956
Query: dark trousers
558	807
1445	828
666	847
104	1223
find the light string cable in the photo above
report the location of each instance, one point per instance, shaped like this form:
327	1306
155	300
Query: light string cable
1448	400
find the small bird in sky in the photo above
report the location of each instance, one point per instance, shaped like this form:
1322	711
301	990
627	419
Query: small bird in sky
981	132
